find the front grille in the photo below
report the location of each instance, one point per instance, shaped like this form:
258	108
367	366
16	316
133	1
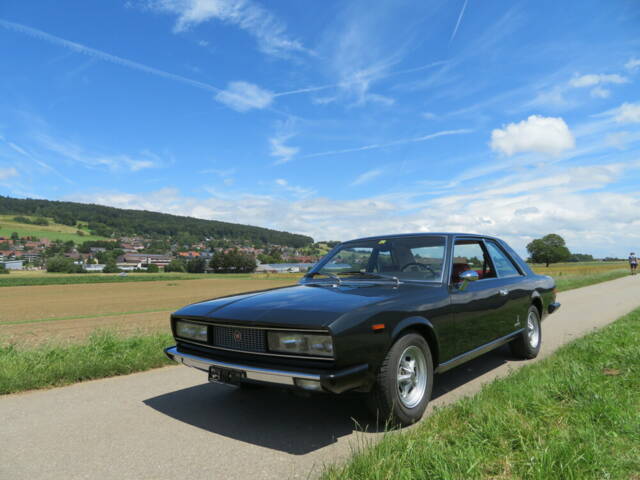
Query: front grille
245	339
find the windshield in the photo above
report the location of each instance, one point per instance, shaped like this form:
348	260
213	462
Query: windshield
408	258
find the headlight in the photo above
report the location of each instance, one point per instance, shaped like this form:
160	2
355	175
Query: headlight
293	342
193	331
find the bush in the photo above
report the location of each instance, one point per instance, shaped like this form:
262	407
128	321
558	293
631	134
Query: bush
111	267
3	269
196	265
152	268
175	266
60	264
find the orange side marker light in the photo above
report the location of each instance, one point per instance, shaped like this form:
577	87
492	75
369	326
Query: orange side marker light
378	327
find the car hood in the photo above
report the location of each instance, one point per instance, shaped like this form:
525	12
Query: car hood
300	306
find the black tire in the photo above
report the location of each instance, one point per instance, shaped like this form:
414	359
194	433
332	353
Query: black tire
525	345
385	399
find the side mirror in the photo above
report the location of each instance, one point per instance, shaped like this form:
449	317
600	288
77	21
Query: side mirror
466	277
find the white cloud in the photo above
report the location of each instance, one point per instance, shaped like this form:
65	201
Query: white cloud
269	31
455	30
632	65
599	92
244	96
569	201
296	190
8	172
366	177
548	135
283	153
402	141
113	162
591	80
104	56
628	113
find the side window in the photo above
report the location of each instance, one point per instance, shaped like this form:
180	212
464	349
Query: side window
470	255
504	265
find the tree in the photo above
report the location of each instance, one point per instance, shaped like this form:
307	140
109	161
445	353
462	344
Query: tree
111	267
233	261
152	268
175	266
63	265
14	236
196	265
3	269
548	249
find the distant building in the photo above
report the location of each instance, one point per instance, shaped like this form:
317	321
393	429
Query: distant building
93	267
12	264
146	259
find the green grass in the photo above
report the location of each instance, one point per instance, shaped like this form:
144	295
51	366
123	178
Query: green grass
53	231
570	282
574	415
22	280
104	354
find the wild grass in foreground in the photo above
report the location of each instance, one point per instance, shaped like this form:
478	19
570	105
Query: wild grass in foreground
104	354
569	282
575	415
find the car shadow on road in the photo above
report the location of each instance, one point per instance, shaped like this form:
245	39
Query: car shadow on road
277	419
268	417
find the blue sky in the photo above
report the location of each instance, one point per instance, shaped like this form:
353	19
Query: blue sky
335	119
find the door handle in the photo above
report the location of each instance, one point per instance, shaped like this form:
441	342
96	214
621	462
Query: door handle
504	292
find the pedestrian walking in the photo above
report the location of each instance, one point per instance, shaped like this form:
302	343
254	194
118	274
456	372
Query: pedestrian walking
633	263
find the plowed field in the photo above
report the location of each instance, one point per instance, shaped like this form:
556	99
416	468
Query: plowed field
70	312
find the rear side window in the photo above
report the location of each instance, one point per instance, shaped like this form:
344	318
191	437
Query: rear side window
504	265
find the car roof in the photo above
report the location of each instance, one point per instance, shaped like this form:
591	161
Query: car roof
421	234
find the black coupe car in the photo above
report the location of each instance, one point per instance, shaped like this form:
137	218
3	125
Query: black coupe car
377	315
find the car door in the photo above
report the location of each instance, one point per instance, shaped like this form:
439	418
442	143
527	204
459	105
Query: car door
510	283
477	307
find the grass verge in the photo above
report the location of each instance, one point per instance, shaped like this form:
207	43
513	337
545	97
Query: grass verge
570	282
104	354
17	280
574	415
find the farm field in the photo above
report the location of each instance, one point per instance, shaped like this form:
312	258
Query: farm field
37	314
580	274
53	231
141	303
40	277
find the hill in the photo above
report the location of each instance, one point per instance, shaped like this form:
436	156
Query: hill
101	221
53	231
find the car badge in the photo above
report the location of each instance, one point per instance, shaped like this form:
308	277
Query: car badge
237	336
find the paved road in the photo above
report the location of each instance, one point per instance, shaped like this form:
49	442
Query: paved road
169	423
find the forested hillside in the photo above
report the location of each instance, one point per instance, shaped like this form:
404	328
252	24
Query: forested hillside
110	221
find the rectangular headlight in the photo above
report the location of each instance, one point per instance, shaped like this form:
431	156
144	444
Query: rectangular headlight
193	331
301	343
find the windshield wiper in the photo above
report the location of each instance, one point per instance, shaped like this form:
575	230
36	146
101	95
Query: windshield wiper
358	272
330	275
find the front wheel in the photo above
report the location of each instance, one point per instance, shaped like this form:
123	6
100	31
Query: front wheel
404	383
527	344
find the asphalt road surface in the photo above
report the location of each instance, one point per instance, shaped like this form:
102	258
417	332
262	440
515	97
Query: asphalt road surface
170	423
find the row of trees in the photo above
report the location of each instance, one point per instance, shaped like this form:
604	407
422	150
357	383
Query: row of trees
232	261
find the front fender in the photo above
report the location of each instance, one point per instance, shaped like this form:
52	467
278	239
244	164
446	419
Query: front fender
423	326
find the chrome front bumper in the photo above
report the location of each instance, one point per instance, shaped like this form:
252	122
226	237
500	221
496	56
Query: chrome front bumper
281	377
335	381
